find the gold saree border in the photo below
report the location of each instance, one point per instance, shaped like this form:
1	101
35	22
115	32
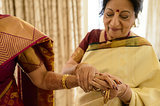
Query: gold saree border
6	89
13	41
132	41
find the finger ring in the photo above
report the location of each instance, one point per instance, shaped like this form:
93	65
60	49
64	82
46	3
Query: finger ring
103	93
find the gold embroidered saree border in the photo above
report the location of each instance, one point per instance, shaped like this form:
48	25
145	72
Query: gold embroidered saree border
133	41
13	40
6	89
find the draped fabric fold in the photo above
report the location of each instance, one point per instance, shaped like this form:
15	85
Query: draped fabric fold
128	64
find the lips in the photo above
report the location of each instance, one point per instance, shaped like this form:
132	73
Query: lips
115	29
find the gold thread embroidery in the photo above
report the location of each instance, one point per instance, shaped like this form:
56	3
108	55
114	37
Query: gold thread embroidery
78	54
6	89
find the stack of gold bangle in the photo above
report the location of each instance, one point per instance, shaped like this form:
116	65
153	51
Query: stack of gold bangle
64	81
106	96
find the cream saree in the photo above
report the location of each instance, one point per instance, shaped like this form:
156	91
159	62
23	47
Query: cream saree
132	60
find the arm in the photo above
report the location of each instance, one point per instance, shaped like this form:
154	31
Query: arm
31	62
70	67
84	72
50	80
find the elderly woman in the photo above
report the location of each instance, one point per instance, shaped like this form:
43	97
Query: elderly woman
21	43
116	62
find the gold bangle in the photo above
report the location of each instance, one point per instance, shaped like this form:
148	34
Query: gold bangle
64	81
106	96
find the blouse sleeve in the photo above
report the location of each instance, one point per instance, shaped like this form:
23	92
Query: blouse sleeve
29	60
37	55
80	50
91	37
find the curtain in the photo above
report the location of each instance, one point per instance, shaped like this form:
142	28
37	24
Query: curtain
67	35
36	12
62	21
153	25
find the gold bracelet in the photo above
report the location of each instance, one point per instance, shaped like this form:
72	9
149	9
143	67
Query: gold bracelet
64	81
106	96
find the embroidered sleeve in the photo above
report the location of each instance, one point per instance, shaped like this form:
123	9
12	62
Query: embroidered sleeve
29	60
78	54
91	37
33	57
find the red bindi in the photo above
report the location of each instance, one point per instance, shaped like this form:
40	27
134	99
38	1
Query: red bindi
117	10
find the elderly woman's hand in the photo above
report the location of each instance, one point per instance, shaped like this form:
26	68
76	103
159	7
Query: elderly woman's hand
119	89
103	81
124	91
85	74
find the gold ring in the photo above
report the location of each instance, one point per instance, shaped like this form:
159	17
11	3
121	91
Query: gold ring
106	96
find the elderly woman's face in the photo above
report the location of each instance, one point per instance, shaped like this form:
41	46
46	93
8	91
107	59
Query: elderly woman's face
118	18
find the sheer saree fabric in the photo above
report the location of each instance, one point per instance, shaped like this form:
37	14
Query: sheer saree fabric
17	36
132	60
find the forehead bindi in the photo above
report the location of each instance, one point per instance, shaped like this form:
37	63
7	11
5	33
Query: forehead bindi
117	10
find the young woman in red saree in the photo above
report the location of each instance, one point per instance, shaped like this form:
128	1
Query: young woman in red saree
21	43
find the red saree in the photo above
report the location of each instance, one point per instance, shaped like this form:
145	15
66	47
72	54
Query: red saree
15	37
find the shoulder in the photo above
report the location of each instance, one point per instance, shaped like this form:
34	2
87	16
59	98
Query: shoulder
3	16
140	39
93	36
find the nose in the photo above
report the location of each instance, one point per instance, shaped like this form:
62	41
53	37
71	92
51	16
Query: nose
115	20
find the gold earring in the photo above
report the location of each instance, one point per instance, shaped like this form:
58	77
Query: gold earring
134	25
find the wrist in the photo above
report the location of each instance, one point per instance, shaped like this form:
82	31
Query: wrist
71	81
125	93
78	66
121	89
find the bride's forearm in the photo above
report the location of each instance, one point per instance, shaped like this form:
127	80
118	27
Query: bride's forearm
54	81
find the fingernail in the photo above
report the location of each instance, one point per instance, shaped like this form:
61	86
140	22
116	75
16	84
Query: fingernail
100	74
116	88
120	82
